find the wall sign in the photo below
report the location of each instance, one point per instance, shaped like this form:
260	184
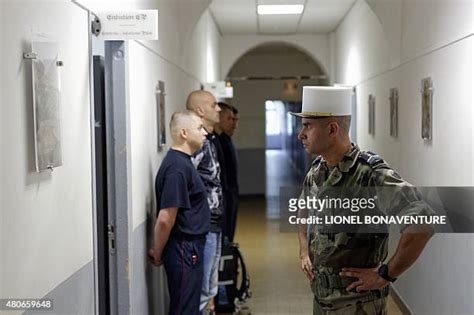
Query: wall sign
220	89
128	25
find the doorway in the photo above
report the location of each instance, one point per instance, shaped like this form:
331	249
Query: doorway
112	175
101	185
256	81
285	158
274	125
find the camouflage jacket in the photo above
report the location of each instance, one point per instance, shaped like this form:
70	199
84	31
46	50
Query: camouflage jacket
362	174
206	162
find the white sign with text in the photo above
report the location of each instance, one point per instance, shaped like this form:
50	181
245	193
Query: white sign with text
128	25
219	89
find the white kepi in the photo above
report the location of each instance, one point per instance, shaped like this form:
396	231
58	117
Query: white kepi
325	101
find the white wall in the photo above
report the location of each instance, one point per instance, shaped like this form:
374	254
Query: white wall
146	68
46	217
396	44
232	47
201	50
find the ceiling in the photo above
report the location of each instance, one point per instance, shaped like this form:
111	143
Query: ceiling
240	17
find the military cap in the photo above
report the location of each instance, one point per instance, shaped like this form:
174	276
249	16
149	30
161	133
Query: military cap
325	101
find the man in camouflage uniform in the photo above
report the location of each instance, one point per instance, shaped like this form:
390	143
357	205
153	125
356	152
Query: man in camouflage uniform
346	267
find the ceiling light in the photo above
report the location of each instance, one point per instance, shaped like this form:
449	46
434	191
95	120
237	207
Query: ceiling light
280	9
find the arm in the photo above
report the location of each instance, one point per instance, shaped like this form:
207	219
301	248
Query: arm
305	262
412	242
395	196
163	226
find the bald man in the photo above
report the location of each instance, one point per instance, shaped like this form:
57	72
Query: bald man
206	162
183	216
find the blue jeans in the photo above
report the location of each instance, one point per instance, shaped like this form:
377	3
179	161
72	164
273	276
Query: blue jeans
212	255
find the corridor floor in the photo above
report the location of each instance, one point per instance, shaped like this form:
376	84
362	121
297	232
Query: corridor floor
278	286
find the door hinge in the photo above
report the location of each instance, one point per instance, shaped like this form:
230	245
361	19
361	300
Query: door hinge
96	26
111	233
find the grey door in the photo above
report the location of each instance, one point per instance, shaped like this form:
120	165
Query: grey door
117	130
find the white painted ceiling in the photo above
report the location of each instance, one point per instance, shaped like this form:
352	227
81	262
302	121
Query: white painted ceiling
240	17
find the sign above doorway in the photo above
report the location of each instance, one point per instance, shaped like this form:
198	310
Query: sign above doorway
126	25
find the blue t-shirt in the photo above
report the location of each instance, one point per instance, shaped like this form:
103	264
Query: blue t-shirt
178	185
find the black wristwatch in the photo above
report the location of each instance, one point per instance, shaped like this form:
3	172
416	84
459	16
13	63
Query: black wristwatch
383	272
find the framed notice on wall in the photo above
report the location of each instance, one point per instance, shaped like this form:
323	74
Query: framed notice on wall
46	105
371	115
426	109
160	111
393	112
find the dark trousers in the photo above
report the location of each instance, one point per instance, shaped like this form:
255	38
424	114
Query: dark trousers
183	261
231	197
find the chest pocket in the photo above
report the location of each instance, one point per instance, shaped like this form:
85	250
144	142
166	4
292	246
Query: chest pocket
359	250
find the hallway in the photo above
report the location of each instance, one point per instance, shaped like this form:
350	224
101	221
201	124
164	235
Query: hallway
280	172
86	102
276	282
278	286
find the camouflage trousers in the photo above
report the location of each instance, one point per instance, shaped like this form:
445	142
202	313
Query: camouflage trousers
374	307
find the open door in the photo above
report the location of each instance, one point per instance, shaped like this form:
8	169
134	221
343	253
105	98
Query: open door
101	186
113	189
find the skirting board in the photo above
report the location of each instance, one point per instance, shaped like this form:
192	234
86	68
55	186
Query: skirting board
400	302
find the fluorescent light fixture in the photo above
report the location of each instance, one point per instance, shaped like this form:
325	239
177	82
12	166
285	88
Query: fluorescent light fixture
280	9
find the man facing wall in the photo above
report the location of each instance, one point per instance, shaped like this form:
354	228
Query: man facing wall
225	130
206	162
183	216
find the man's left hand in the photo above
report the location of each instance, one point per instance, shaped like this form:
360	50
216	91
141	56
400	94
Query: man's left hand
367	279
155	259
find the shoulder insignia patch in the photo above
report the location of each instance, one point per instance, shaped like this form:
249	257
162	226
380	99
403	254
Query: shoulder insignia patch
316	160
370	158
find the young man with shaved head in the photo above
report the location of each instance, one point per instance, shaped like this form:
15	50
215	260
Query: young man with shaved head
235	119
346	267
225	131
206	162
183	215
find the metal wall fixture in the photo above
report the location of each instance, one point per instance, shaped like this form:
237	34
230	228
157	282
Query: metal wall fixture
427	109
371	114
393	112
160	112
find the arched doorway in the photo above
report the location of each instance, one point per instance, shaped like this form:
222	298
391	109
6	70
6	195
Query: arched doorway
268	81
